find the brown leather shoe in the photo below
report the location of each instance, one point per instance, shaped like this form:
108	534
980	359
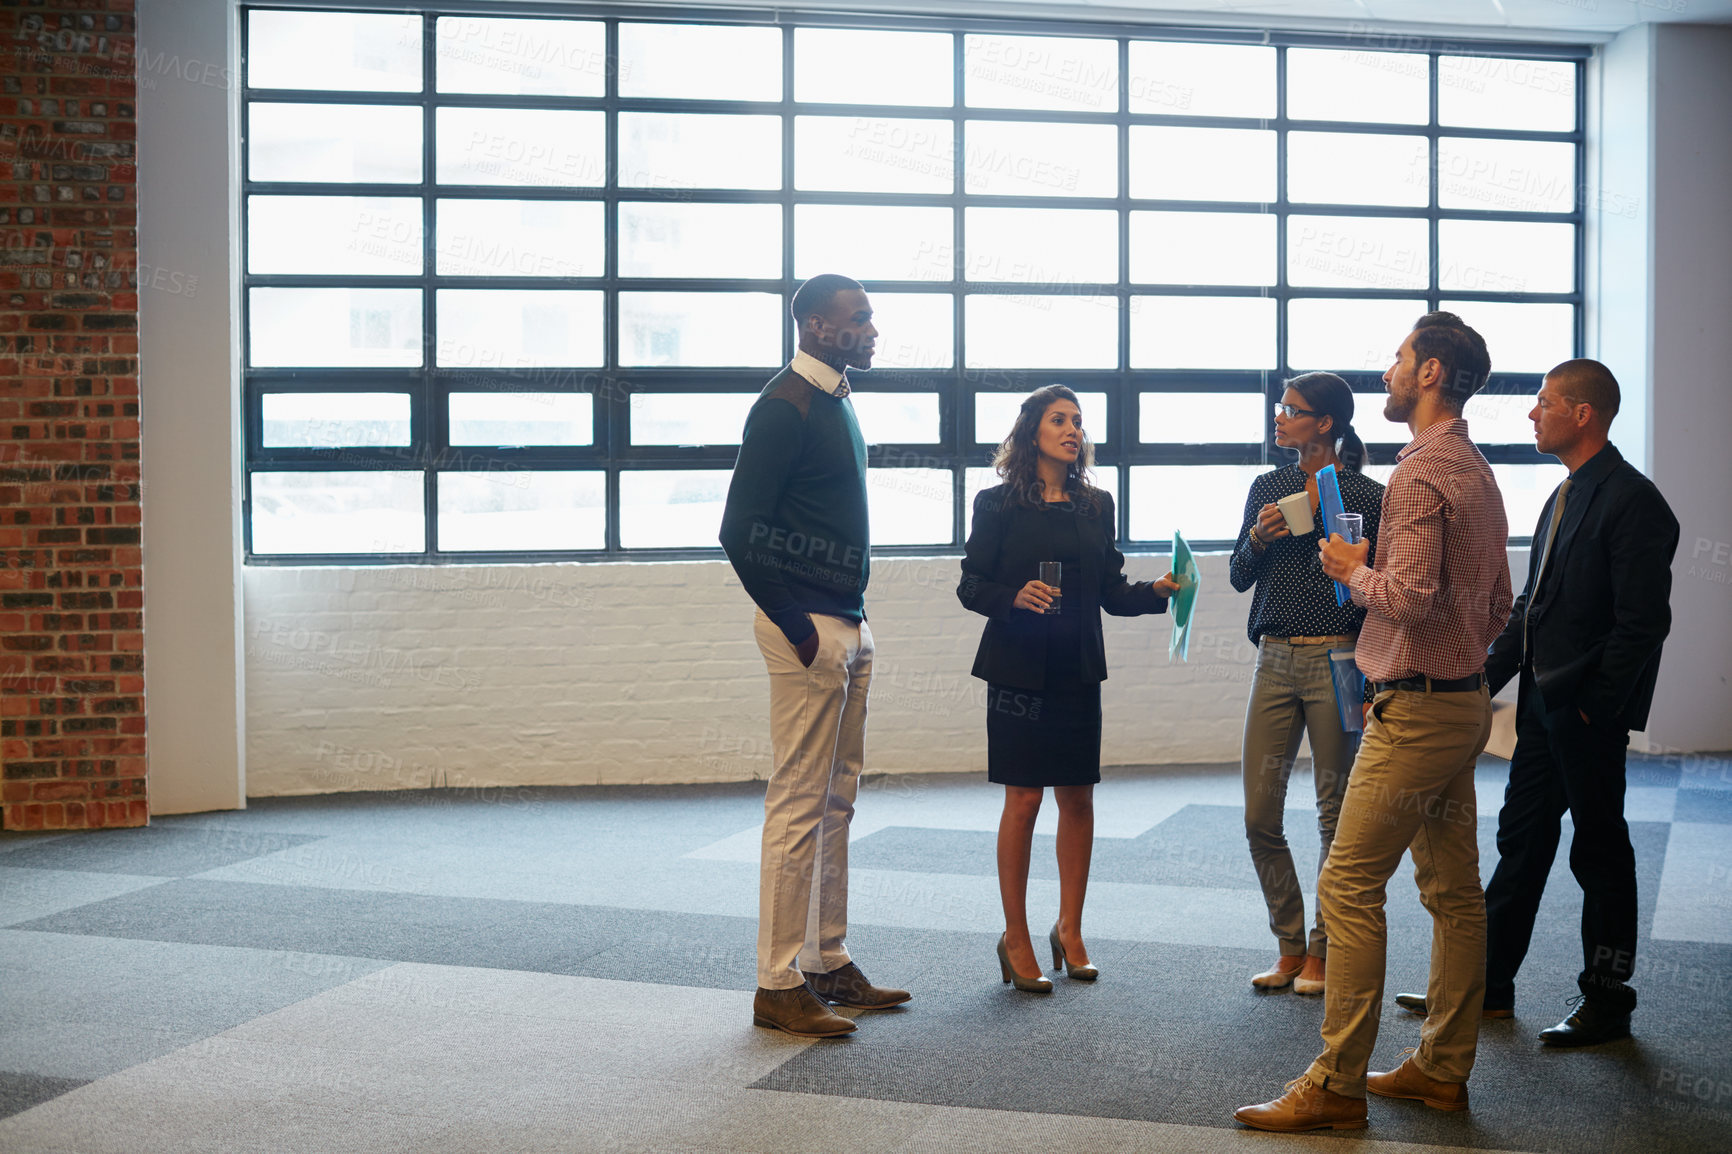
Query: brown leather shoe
847	986
1409	1081
1282	973
1305	1106
798	1012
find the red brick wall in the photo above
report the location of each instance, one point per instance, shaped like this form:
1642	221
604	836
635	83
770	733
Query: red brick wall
72	720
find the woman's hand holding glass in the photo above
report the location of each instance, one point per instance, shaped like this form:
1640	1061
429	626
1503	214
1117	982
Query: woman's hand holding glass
1036	596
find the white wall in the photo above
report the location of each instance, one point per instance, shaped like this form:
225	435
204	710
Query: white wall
194	681
1692	361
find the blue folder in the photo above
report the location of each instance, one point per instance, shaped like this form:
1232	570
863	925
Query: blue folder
1329	496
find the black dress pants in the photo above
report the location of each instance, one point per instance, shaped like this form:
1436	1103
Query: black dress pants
1562	762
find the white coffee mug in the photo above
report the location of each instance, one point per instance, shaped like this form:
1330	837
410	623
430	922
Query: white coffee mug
1296	508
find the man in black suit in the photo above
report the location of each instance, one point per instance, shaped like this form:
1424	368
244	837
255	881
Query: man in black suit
1584	637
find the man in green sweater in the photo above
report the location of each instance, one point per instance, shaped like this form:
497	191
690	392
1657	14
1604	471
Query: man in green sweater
796	531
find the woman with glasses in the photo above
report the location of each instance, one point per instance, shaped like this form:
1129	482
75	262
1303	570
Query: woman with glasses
1043	659
1295	622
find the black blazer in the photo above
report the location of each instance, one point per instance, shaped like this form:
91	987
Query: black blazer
1000	559
1598	623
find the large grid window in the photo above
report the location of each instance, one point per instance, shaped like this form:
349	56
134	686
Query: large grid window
511	282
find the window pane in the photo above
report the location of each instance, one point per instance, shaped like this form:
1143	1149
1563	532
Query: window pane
1202	333
340	235
520	146
518	328
1367	252
315	327
1525	489
1357	168
671	508
511	419
661	239
334	420
1202	79
1505	256
677	150
1330	84
1044	246
1495	92
1230	248
689	418
1205	502
1042	332
333	50
857	66
1202	164
995	415
1500	419
1010	158
519	238
1199	418
897	418
742	329
700	61
1348	336
915	331
873	242
1066	73
873	154
363	512
1371	425
1506	175
522	509
909	506
521	57
379	144
1521	338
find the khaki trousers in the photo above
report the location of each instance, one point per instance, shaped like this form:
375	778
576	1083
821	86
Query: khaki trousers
1292	694
817	743
1411	789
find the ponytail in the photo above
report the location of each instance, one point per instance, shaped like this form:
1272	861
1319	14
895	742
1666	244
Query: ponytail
1330	396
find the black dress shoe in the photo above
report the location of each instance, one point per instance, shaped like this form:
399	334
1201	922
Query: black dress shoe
1415	1004
847	986
1589	1025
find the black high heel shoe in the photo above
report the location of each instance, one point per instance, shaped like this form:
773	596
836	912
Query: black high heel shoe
1040	985
1083	973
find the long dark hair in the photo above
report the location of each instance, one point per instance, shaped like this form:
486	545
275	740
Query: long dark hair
1016	456
1328	395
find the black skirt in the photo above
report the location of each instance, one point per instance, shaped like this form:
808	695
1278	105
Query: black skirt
1043	737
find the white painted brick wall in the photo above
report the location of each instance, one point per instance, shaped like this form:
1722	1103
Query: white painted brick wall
564	674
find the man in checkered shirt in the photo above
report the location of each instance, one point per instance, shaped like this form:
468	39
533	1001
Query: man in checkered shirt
1437	596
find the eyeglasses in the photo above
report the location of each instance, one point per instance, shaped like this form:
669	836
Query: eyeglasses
1282	410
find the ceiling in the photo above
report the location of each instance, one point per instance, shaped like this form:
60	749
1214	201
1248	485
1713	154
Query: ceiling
1568	20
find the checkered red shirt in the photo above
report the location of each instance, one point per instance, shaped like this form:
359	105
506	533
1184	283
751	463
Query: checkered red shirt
1440	591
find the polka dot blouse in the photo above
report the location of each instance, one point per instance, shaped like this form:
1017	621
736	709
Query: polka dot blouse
1293	596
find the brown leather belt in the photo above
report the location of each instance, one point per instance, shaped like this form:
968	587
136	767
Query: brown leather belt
1341	640
1422	684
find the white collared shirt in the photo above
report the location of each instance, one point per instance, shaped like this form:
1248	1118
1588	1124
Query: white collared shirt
817	372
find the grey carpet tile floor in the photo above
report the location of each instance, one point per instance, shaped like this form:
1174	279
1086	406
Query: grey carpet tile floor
571	970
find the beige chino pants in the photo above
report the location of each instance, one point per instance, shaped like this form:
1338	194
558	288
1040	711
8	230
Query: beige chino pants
1411	790
817	742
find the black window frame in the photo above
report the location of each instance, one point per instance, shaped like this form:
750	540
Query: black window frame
611	450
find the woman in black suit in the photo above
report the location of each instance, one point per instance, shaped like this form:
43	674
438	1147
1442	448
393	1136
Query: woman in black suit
1043	658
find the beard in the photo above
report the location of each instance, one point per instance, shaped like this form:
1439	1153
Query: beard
1397	408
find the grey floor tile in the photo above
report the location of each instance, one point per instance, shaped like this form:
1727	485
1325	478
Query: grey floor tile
162	850
81	1007
19	1092
26	894
1704	806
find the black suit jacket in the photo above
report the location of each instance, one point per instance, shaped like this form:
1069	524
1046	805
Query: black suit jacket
1001	557
1598	621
